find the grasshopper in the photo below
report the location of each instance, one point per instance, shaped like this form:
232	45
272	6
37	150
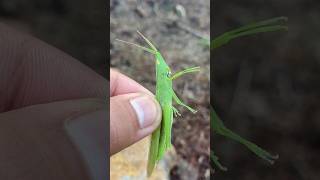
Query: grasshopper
161	137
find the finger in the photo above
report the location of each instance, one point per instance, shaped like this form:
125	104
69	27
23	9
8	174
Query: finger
132	117
62	140
121	84
33	72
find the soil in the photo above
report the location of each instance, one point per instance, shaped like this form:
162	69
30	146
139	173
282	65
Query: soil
178	37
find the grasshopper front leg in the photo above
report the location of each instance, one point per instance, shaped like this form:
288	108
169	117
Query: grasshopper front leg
176	112
185	71
175	97
178	101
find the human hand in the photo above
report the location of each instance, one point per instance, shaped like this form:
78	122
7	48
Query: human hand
134	112
53	113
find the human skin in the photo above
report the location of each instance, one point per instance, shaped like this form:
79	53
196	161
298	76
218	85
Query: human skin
125	127
54	113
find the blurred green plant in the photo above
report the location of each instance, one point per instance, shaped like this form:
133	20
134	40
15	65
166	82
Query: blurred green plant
216	124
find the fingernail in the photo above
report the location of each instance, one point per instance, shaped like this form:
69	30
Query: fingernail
146	110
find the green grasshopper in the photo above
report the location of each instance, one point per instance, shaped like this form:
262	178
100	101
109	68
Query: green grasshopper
274	24
161	137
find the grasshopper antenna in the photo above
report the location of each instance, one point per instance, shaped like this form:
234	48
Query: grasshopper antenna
149	42
136	45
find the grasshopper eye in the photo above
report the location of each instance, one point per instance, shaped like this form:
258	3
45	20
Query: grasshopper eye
168	74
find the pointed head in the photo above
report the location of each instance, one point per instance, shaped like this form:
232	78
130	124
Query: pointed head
162	66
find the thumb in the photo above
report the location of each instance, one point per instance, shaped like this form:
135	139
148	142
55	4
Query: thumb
132	117
60	140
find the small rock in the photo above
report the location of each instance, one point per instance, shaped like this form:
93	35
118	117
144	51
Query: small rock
181	11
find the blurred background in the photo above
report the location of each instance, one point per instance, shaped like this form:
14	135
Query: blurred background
267	88
74	26
176	28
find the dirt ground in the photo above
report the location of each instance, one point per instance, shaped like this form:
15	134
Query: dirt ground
176	28
267	88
